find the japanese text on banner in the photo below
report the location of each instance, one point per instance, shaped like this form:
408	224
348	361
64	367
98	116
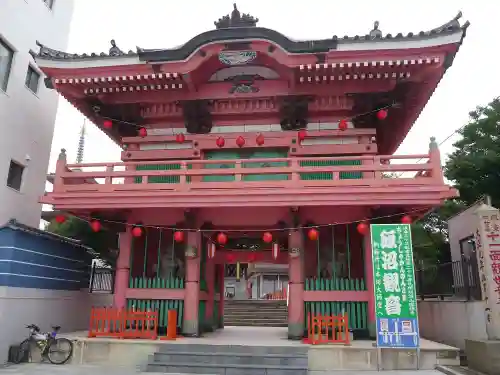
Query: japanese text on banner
393	271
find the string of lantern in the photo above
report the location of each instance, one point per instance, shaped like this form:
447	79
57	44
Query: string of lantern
381	113
179	233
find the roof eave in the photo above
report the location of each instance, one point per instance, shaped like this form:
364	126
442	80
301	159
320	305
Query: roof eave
363	44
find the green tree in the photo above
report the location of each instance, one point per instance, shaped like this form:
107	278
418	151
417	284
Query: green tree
474	166
430	234
104	242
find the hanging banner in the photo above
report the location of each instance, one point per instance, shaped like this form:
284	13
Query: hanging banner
275	250
211	250
394	286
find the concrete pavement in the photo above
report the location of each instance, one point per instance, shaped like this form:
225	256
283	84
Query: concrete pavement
47	369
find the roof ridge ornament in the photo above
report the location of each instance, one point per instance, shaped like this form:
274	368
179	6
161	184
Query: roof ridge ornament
375	33
450	25
114	50
52	53
236	20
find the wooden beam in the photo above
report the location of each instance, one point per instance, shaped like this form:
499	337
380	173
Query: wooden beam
270	88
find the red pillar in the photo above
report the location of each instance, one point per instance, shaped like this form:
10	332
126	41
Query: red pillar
222	294
369	283
190	327
296	284
123	269
210	278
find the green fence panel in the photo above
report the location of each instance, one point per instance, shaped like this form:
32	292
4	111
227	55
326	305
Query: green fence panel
202	320
322	284
156	283
220	155
161	306
356	311
159	179
268	154
329	175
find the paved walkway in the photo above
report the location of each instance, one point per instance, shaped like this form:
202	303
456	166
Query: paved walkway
46	369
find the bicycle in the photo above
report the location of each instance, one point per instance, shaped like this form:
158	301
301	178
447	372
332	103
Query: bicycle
47	343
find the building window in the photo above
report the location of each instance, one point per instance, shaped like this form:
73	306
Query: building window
6	57
32	79
49	3
15	177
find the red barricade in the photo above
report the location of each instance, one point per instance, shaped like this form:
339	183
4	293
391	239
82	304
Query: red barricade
323	329
171	326
278	295
123	324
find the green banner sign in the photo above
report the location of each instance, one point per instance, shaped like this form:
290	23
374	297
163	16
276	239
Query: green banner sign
394	285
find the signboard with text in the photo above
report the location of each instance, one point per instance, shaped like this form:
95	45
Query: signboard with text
394	286
487	245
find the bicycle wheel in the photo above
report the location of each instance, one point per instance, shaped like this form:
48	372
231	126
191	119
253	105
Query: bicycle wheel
23	352
60	351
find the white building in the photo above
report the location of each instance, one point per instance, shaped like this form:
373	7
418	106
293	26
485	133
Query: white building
27	108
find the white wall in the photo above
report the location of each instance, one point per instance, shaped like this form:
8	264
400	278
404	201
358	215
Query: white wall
27	120
451	322
22	306
461	226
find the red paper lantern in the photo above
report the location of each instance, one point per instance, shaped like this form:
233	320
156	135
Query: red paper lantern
260	140
275	250
313	234
230	258
222	238
108	124
60	219
240	141
95	225
143	132
406	219
301	135
382	114
136	232
220	142
343	125
179	236
267	237
180	138
211	250
362	229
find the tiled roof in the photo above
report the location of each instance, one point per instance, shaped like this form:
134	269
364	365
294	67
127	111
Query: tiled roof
16	226
241	29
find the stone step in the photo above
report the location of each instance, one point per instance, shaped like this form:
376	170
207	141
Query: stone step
266	311
257	350
269	314
231	359
257	318
255	308
254	303
248	323
205	368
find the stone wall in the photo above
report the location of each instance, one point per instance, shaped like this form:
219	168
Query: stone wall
452	322
22	306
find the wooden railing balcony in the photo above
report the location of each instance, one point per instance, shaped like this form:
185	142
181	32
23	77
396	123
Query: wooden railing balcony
245	182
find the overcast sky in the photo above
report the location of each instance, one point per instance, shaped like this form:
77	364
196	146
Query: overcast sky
473	79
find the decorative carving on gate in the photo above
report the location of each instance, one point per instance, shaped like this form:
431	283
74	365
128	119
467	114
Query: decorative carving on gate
237	57
243	84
